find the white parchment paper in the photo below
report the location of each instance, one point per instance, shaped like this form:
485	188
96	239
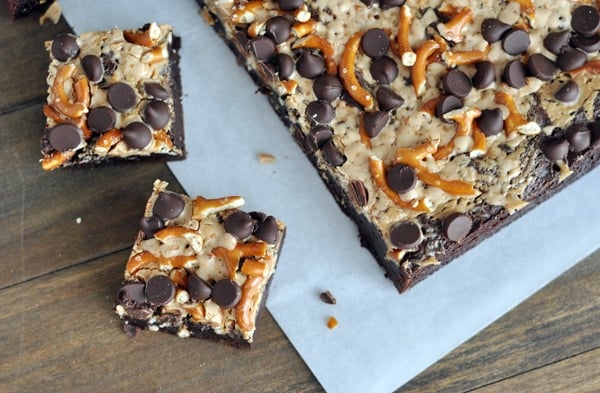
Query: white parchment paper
383	339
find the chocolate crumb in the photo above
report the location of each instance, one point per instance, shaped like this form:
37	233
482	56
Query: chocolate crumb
327	297
130	330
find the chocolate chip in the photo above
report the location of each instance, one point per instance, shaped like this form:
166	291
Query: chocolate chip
290	5
160	290
447	104
101	119
168	205
258	216
226	293
93	68
358	193
267	230
579	137
457	226
263	47
586	44
384	70
375	43
121	96
310	65
568	92
150	225
514	74
137	135
386	4
368	3
571	58
320	112
157	114
493	29
331	154
65	47
327	297
65	136
156	91
485	74
373	122
279	28
585	20
406	235
388	99
556	150
199	289
401	178
132	295
595	129
456	83
541	67
318	135
327	87
515	42
284	66
239	224
557	41
490	122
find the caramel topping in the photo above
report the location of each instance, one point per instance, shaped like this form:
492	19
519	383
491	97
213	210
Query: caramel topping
347	73
314	41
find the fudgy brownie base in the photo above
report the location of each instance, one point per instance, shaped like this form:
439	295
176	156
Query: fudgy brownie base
21	8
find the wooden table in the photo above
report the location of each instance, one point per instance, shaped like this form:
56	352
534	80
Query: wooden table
67	234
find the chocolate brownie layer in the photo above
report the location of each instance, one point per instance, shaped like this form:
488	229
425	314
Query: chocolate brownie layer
20	8
433	123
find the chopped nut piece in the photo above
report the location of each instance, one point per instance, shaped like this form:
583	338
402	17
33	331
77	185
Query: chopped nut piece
327	297
332	322
347	73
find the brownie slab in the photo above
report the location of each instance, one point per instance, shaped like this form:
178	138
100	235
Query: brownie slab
433	123
199	268
113	95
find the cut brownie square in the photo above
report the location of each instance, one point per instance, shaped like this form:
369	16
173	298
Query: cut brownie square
113	95
199	268
433	123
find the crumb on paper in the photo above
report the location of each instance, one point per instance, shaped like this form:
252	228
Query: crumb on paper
52	14
332	323
266	158
78	220
327	297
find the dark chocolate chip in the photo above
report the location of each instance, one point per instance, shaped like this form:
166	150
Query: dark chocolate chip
457	226
65	47
157	114
514	74
571	58
331	154
456	83
327	87
515	42
267	230
318	135
284	66
447	104
384	70
239	224
65	136
93	68
568	92
263	47
279	28
121	96
168	205
137	135
556	150
199	289
132	295
226	293
101	119
310	65
595	129
406	235
150	225
386	4
258	216
556	42
493	29
586	44
156	91
373	122
290	5
485	74
585	20
388	99
375	43
401	178
579	137
160	290
541	67
327	297
358	193
368	3
320	112
490	122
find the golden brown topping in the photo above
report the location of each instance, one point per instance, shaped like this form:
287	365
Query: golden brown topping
405	52
253	267
419	70
266	158
242	250
178	261
243	310
109	139
155	55
332	322
304	28
80	122
314	41
347	73
60	99
56	159
204	207
456	58
452	30
255	28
